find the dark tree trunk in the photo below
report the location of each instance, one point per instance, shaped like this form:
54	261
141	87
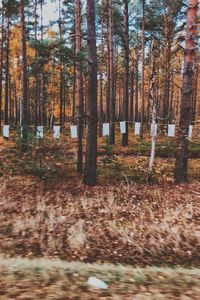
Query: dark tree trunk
36	74
74	92
131	115
16	105
168	32
126	64
111	62
143	68
25	81
181	167
136	84
137	73
194	95
101	79
42	85
108	77
91	151
79	81
6	120
61	65
1	62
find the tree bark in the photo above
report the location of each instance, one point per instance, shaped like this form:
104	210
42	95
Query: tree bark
6	119
131	118
136	84
101	111
126	64
154	113
143	68
91	151
25	82
79	81
61	65
111	63
36	74
181	166
1	62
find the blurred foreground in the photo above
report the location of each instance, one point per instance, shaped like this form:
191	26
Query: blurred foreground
54	279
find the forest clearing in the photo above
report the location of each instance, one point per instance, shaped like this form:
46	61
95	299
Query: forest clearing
99	149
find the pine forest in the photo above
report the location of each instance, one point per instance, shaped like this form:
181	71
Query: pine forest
99	149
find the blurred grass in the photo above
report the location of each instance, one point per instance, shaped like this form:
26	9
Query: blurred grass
55	279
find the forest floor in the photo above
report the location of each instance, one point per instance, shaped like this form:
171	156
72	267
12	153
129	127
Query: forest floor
46	211
46	279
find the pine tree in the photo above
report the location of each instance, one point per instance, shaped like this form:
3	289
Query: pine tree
91	151
181	167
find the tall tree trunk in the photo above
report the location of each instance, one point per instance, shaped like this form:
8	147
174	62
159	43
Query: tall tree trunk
61	64
126	64
101	111
111	62
41	86
91	151
36	74
154	112
25	81
7	70
79	81
143	68
167	28
181	166
1	62
136	84
108	76
137	72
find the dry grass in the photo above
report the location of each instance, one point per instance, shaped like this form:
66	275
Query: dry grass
53	279
46	211
140	225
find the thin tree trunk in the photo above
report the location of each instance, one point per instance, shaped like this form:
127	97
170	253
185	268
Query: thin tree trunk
126	64
1	62
79	81
154	113
74	92
7	70
194	96
16	105
108	77
166	68
111	62
143	68
10	98
136	84
101	78
25	81
131	116
61	65
36	75
41	86
137	72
